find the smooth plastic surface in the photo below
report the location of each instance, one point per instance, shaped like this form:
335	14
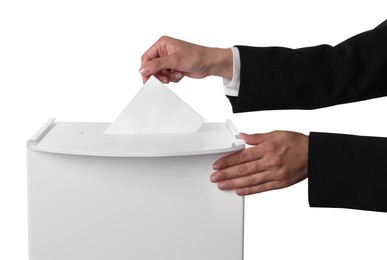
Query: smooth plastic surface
98	208
138	196
89	139
93	196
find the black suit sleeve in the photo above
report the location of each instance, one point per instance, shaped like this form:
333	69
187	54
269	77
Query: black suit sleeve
344	171
313	77
347	171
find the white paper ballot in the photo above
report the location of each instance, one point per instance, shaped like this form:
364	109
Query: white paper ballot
155	109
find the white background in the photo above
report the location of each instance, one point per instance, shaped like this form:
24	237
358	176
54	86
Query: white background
78	60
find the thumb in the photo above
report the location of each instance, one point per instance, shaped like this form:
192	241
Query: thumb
152	67
254	139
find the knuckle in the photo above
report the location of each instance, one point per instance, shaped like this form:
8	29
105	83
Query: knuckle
266	187
225	185
268	146
280	177
241	157
222	175
274	161
263	178
242	170
174	62
260	188
281	173
282	184
247	191
157	63
248	154
251	180
163	38
257	137
231	160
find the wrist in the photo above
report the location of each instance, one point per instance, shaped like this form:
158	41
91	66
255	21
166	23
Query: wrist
221	63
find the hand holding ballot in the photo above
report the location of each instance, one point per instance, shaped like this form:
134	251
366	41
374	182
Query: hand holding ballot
170	60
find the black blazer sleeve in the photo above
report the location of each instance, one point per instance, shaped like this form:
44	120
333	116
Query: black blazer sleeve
344	171
313	77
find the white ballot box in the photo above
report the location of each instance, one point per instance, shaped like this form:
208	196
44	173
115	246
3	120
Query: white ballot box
98	196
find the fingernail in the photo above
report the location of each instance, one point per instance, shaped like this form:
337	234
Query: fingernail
222	185
143	71
214	178
240	192
178	76
215	167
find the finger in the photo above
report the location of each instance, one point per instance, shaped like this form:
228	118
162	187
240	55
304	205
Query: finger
152	66
145	78
162	77
172	75
271	185
237	171
156	65
155	51
244	156
176	76
165	72
246	181
255	139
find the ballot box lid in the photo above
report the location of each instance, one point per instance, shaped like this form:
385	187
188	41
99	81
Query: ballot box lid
85	138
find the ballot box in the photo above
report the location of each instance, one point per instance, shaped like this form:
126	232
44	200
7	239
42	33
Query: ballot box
98	196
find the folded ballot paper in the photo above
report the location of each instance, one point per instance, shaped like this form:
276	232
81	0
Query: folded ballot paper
156	109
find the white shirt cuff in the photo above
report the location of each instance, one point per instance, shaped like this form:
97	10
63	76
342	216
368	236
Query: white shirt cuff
231	88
